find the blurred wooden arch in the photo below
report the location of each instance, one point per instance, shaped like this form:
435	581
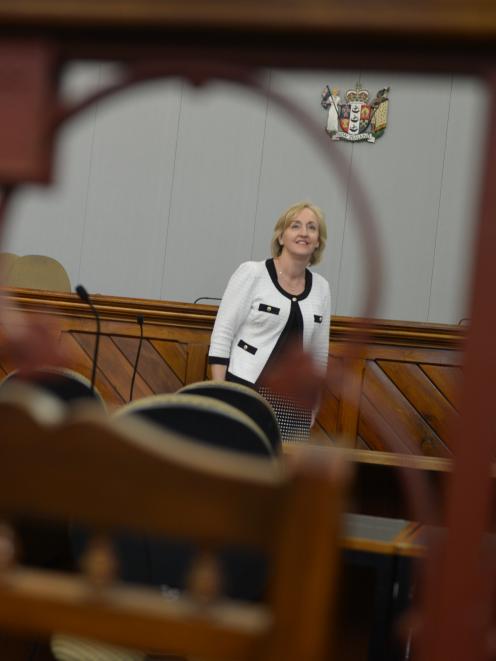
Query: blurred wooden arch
201	494
432	36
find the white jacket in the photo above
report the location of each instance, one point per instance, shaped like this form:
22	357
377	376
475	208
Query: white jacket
253	313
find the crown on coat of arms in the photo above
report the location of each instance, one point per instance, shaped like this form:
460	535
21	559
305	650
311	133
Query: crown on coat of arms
359	94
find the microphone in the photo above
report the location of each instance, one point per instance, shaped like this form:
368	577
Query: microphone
206	298
140	320
85	297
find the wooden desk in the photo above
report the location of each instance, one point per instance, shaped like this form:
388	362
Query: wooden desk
415	543
369	604
378	487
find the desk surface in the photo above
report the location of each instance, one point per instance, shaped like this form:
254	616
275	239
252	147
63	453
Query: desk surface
414	544
377	534
378	486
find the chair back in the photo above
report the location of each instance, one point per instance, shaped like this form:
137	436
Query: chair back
246	400
38	272
124	473
7	260
48	543
65	384
161	562
203	419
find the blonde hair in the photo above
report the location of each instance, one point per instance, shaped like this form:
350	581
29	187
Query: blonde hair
285	219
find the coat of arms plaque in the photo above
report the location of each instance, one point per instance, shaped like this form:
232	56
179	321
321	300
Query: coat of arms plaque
355	117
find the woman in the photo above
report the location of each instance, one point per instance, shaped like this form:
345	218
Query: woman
273	305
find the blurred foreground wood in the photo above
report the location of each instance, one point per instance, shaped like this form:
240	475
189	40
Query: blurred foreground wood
125	474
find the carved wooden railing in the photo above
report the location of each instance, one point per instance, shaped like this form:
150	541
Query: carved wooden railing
401	387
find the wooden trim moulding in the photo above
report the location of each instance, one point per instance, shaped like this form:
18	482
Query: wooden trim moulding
201	317
113	308
402	333
462	19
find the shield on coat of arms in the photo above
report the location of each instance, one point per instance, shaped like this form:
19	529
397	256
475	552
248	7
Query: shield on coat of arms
356	118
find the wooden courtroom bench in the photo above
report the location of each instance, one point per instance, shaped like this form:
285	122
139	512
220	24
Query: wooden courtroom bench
399	389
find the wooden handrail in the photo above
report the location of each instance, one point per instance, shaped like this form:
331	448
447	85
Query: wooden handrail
124	309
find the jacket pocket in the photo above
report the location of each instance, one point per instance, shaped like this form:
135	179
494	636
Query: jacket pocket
317	318
247	347
268	308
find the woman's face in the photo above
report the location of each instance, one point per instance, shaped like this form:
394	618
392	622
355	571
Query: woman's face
301	236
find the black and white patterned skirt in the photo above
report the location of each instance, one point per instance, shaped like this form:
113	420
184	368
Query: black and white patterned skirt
294	420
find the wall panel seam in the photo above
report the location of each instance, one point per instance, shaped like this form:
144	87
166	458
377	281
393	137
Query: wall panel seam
438	212
171	196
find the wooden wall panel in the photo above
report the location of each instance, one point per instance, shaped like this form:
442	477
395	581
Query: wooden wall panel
446	379
375	433
196	367
393	384
114	365
328	415
174	354
79	360
427	400
152	368
402	417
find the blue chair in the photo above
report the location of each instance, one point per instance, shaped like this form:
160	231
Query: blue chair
211	422
66	385
204	419
244	399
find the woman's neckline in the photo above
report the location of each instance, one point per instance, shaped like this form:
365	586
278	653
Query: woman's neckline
271	268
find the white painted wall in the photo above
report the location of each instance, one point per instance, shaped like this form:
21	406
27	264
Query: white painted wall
163	191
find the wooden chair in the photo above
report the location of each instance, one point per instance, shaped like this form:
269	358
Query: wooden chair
38	272
7	260
118	473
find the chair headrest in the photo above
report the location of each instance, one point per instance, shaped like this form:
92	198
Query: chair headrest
243	398
204	419
67	385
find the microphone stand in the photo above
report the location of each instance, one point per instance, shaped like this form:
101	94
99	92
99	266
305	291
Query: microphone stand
206	298
85	297
140	320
